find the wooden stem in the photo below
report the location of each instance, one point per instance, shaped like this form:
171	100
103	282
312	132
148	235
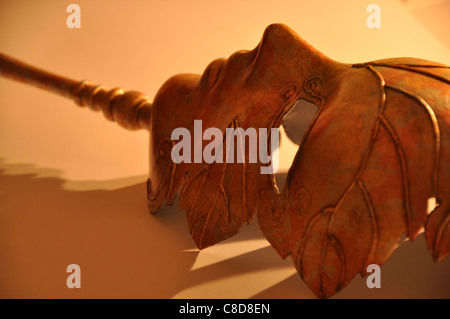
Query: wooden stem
131	109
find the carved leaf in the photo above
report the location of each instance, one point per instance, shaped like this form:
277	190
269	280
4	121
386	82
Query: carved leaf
367	172
217	198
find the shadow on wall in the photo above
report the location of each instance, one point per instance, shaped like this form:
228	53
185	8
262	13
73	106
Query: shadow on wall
125	252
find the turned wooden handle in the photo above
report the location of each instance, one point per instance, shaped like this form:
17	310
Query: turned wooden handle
131	109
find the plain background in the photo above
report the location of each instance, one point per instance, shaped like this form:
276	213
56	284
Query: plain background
72	184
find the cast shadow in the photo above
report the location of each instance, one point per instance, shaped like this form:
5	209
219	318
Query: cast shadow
47	223
410	273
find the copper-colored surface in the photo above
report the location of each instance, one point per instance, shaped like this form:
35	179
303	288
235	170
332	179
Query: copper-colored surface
359	180
130	110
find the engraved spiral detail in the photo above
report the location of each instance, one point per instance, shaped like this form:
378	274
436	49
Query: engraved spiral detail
313	86
131	109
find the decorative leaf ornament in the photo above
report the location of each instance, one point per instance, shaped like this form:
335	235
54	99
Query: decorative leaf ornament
348	203
372	167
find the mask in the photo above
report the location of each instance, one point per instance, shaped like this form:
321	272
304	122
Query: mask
373	161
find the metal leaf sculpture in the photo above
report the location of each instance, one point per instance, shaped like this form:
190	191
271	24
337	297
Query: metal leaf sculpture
374	163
